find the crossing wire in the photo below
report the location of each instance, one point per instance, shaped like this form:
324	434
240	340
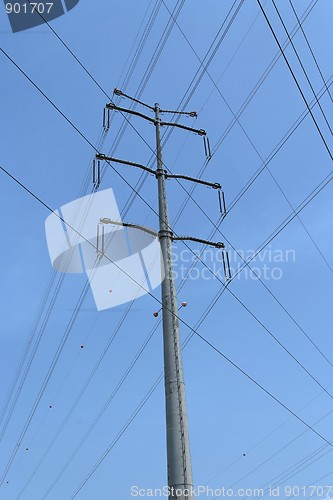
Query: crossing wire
302	66
193	330
84	387
250	141
52	279
34	339
263	439
205	70
118	172
310	48
284	447
294	77
87	140
140	45
273	336
38	341
262	78
296	468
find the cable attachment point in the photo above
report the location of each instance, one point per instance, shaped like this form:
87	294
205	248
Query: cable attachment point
207	148
226	265
100	239
117	91
96	173
106	119
222	203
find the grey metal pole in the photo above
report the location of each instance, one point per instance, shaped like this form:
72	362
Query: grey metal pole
178	448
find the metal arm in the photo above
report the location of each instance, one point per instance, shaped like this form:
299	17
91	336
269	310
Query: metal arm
200	131
106	220
100	156
130	111
214	185
217	244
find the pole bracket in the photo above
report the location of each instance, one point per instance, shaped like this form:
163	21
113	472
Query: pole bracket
106	220
217	244
103	157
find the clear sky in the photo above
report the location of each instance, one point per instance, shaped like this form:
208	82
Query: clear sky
229	416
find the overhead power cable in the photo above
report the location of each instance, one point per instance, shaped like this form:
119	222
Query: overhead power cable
302	66
294	77
310	48
252	144
34	339
120	175
206	341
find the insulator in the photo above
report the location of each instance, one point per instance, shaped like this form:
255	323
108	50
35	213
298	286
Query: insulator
94	172
98	172
207	148
100	237
205	145
155	314
103	238
226	265
209	157
184	304
106	119
222	204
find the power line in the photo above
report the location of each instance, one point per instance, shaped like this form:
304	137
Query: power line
143	402
122	177
263	77
309	46
140	45
174	19
262	440
82	390
85	385
87	140
29	344
302	66
279	451
251	142
195	331
294	78
278	147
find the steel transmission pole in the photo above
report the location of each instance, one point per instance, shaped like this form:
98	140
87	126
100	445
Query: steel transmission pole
178	446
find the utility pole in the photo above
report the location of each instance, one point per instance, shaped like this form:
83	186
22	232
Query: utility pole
180	480
178	445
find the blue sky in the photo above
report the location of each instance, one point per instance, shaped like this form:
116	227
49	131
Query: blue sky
228	415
